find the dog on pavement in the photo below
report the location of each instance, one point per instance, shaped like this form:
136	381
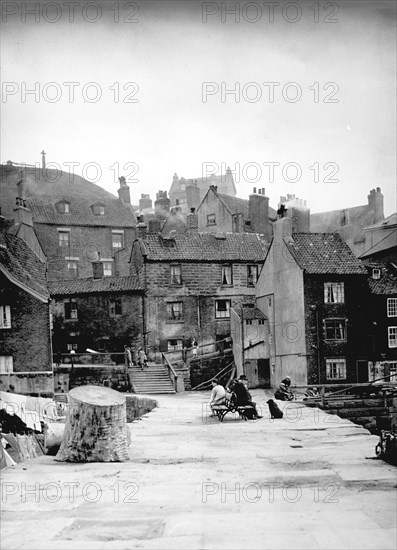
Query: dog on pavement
275	411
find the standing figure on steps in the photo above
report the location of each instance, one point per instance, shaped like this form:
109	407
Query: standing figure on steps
142	359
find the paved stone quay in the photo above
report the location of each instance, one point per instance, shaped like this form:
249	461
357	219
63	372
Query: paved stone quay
309	480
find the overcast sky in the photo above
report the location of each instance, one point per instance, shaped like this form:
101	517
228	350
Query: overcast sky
153	57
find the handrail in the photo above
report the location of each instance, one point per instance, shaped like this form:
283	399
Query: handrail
220	373
172	373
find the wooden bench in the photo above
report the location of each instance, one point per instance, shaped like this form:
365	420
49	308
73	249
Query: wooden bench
222	410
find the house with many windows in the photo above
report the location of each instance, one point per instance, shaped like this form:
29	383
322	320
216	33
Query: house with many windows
192	281
100	313
314	293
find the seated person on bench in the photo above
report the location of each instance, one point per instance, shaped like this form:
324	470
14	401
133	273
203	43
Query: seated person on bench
283	393
218	394
240	388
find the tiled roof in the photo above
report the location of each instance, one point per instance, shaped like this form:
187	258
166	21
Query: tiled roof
236	205
324	253
207	247
20	262
93	286
252	313
116	214
387	222
387	284
359	216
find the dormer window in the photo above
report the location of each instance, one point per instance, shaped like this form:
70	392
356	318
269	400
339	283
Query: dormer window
98	209
375	273
62	207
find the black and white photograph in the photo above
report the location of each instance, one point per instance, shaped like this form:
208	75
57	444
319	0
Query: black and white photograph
198	275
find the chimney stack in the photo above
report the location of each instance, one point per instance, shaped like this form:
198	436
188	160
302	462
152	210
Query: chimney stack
43	159
154	226
192	221
258	213
22	213
145	202
124	191
375	203
141	228
161	205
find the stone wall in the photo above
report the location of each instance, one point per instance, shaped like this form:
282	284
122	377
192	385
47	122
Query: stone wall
37	384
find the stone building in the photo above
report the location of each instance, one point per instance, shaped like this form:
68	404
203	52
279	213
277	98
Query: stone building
192	281
191	191
315	294
25	339
224	213
102	313
350	222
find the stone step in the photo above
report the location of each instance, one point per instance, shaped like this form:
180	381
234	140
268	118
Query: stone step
355	413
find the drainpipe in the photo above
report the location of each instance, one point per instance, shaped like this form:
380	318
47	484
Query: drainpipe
242	342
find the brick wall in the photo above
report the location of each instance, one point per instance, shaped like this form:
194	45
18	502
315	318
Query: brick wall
201	286
94	323
358	331
28	340
84	243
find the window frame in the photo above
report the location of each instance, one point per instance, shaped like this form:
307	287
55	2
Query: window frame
178	346
376	273
5	367
391	307
119	234
337	292
5	317
335	360
175	281
98	209
227	273
117	309
249	275
71	270
227	310
63	207
62	242
335	328
392	337
68	315
108	263
211	219
173	315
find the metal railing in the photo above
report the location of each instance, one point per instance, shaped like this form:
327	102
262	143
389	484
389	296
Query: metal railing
106	359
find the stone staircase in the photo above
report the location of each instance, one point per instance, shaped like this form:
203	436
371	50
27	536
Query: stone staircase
152	380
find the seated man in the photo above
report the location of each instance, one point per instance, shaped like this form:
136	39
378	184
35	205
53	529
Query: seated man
218	393
240	388
283	393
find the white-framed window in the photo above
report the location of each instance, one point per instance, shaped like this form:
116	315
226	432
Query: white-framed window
393	371
334	293
107	269
72	346
98	209
73	268
176	274
222	309
6	364
248	321
252	274
175	311
392	307
63	207
211	219
174	344
117	239
64	237
71	309
375	273
115	307
5	316
392	337
227	275
261	322
335	369
335	329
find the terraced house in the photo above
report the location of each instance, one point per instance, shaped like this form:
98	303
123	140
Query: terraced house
192	281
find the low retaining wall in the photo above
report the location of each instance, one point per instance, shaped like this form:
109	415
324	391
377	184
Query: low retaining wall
115	377
138	406
35	383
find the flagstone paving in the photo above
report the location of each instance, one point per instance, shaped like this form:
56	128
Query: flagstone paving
309	480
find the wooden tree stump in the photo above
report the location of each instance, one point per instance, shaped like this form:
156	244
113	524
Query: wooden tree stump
95	429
